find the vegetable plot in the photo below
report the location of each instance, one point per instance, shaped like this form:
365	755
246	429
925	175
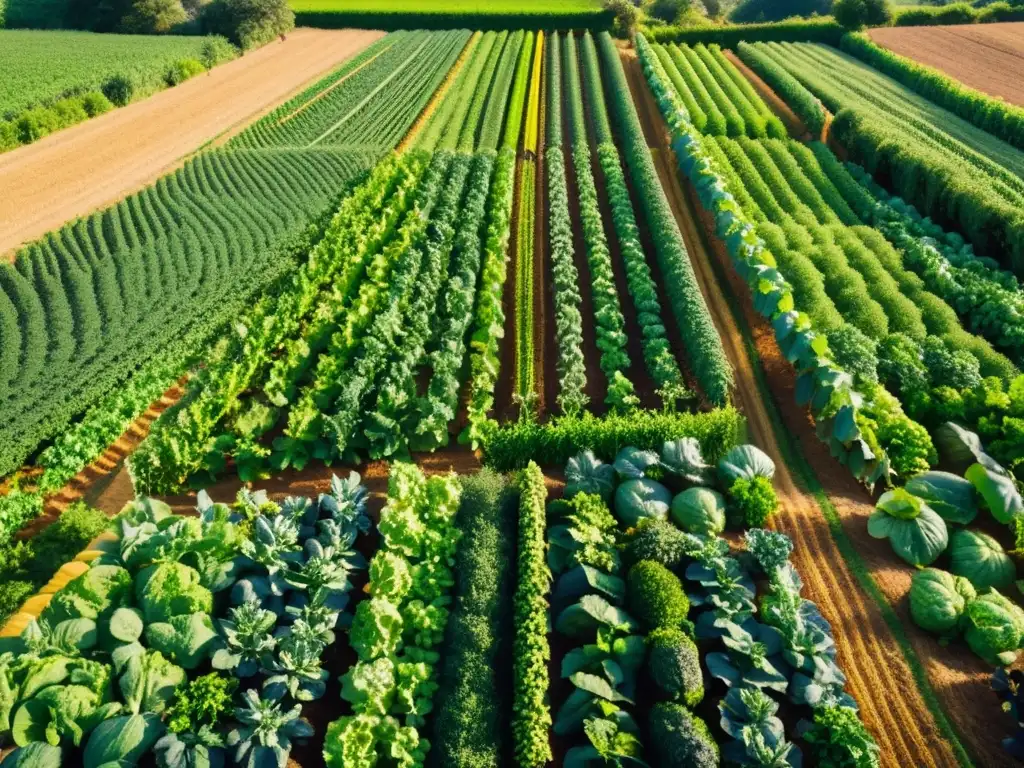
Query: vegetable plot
190	637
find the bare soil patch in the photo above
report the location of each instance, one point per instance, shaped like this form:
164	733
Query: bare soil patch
878	674
76	171
988	57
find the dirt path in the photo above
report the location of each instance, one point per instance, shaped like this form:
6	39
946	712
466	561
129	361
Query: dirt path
76	171
878	674
988	57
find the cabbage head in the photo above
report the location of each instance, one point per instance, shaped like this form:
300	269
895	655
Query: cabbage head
938	600
951	496
917	534
978	558
637	499
998	490
699	510
746	461
993	627
585	473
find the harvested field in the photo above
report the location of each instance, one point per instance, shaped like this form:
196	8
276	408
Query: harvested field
868	651
78	170
989	57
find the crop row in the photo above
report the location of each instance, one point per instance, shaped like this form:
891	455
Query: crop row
658	356
717	96
84	307
525	256
568	319
360	107
955	172
609	322
488	322
703	345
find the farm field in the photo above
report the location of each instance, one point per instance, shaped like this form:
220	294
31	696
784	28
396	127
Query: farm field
522	397
32	73
98	162
988	57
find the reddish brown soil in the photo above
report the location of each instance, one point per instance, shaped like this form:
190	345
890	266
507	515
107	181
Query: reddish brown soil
104	474
78	170
879	676
988	57
789	118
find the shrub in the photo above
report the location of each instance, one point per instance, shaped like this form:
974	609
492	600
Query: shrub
552	444
854	352
674	665
755	500
119	89
250	23
625	13
148	17
656	596
658	541
855	14
70	111
954	13
9	135
35	123
184	69
668	11
216	50
680	739
95	103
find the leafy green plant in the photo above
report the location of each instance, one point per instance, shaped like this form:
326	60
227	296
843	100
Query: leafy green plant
980	559
918	535
531	714
265	732
656	540
674	665
994	627
755	500
679	738
699	511
938	600
656	596
839	738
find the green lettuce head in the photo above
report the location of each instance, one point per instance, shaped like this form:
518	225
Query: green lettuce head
978	557
699	510
993	628
938	600
916	532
